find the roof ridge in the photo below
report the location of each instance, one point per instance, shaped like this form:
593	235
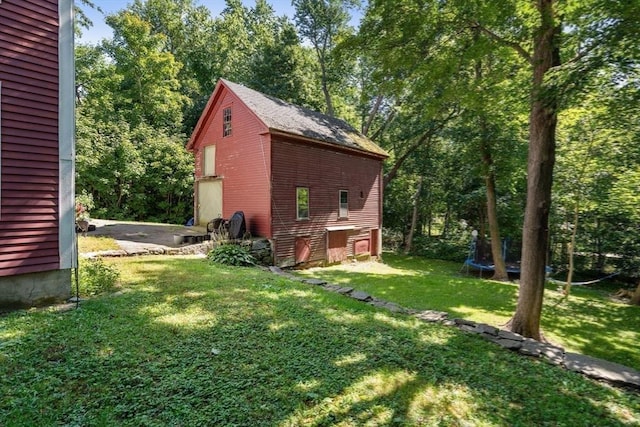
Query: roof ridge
283	116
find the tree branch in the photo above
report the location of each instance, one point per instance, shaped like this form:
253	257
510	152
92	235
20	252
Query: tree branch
521	51
372	114
425	138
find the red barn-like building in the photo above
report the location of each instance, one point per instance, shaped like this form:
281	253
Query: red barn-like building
37	221
307	181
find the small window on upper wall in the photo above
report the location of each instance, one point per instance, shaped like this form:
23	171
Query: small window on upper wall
226	122
344	204
302	203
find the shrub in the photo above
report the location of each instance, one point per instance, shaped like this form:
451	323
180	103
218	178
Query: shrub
96	277
230	254
452	249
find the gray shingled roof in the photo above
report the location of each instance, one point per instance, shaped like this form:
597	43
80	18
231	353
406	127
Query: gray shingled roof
281	116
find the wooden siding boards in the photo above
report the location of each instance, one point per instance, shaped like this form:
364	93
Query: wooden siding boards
29	72
242	161
325	173
276	147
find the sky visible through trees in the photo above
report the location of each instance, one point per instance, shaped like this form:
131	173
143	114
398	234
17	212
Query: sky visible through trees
481	105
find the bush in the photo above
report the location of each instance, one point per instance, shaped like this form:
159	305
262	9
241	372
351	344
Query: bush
96	277
445	249
230	254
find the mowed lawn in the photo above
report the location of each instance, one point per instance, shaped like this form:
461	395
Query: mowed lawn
186	343
589	322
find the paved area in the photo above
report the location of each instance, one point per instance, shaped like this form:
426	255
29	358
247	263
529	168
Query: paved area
143	235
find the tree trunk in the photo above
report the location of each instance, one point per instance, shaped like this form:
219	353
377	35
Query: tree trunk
572	248
542	128
499	268
414	217
325	89
372	114
445	226
635	298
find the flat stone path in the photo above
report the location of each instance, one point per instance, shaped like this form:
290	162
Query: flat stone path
592	367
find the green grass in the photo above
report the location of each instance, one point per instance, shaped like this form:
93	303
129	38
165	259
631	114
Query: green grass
96	244
589	322
189	343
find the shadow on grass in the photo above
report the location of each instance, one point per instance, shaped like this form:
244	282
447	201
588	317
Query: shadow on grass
594	325
427	284
192	344
587	323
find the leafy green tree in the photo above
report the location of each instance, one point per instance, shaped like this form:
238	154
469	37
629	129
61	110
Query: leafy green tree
559	45
107	165
189	35
321	22
596	183
166	192
150	89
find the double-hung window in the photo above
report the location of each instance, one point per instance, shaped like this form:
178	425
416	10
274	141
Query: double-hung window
343	204
226	122
302	203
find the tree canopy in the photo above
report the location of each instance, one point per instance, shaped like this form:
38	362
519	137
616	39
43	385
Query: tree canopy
517	119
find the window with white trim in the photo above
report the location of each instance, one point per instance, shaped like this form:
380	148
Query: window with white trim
343	204
302	203
226	122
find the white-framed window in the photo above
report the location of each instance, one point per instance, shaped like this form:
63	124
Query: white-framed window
209	160
343	202
226	122
302	203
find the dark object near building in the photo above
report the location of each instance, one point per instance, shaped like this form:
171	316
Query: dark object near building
481	258
218	224
237	225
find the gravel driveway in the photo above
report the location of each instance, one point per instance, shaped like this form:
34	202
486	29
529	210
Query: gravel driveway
143	234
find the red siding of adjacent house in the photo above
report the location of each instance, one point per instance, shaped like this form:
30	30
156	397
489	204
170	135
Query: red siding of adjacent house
242	160
29	136
324	172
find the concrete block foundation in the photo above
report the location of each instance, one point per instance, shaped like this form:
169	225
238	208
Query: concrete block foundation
35	289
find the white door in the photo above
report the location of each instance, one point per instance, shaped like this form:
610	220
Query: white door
209	201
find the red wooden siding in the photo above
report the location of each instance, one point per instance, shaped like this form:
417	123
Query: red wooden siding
29	125
242	160
324	172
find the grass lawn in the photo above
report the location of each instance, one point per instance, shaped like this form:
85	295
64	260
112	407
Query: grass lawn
588	323
186	343
96	244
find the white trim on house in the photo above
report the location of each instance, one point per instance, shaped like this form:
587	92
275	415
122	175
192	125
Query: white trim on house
342	228
66	136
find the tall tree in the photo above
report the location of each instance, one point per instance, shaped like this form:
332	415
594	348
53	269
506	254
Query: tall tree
560	44
150	85
582	30
320	22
